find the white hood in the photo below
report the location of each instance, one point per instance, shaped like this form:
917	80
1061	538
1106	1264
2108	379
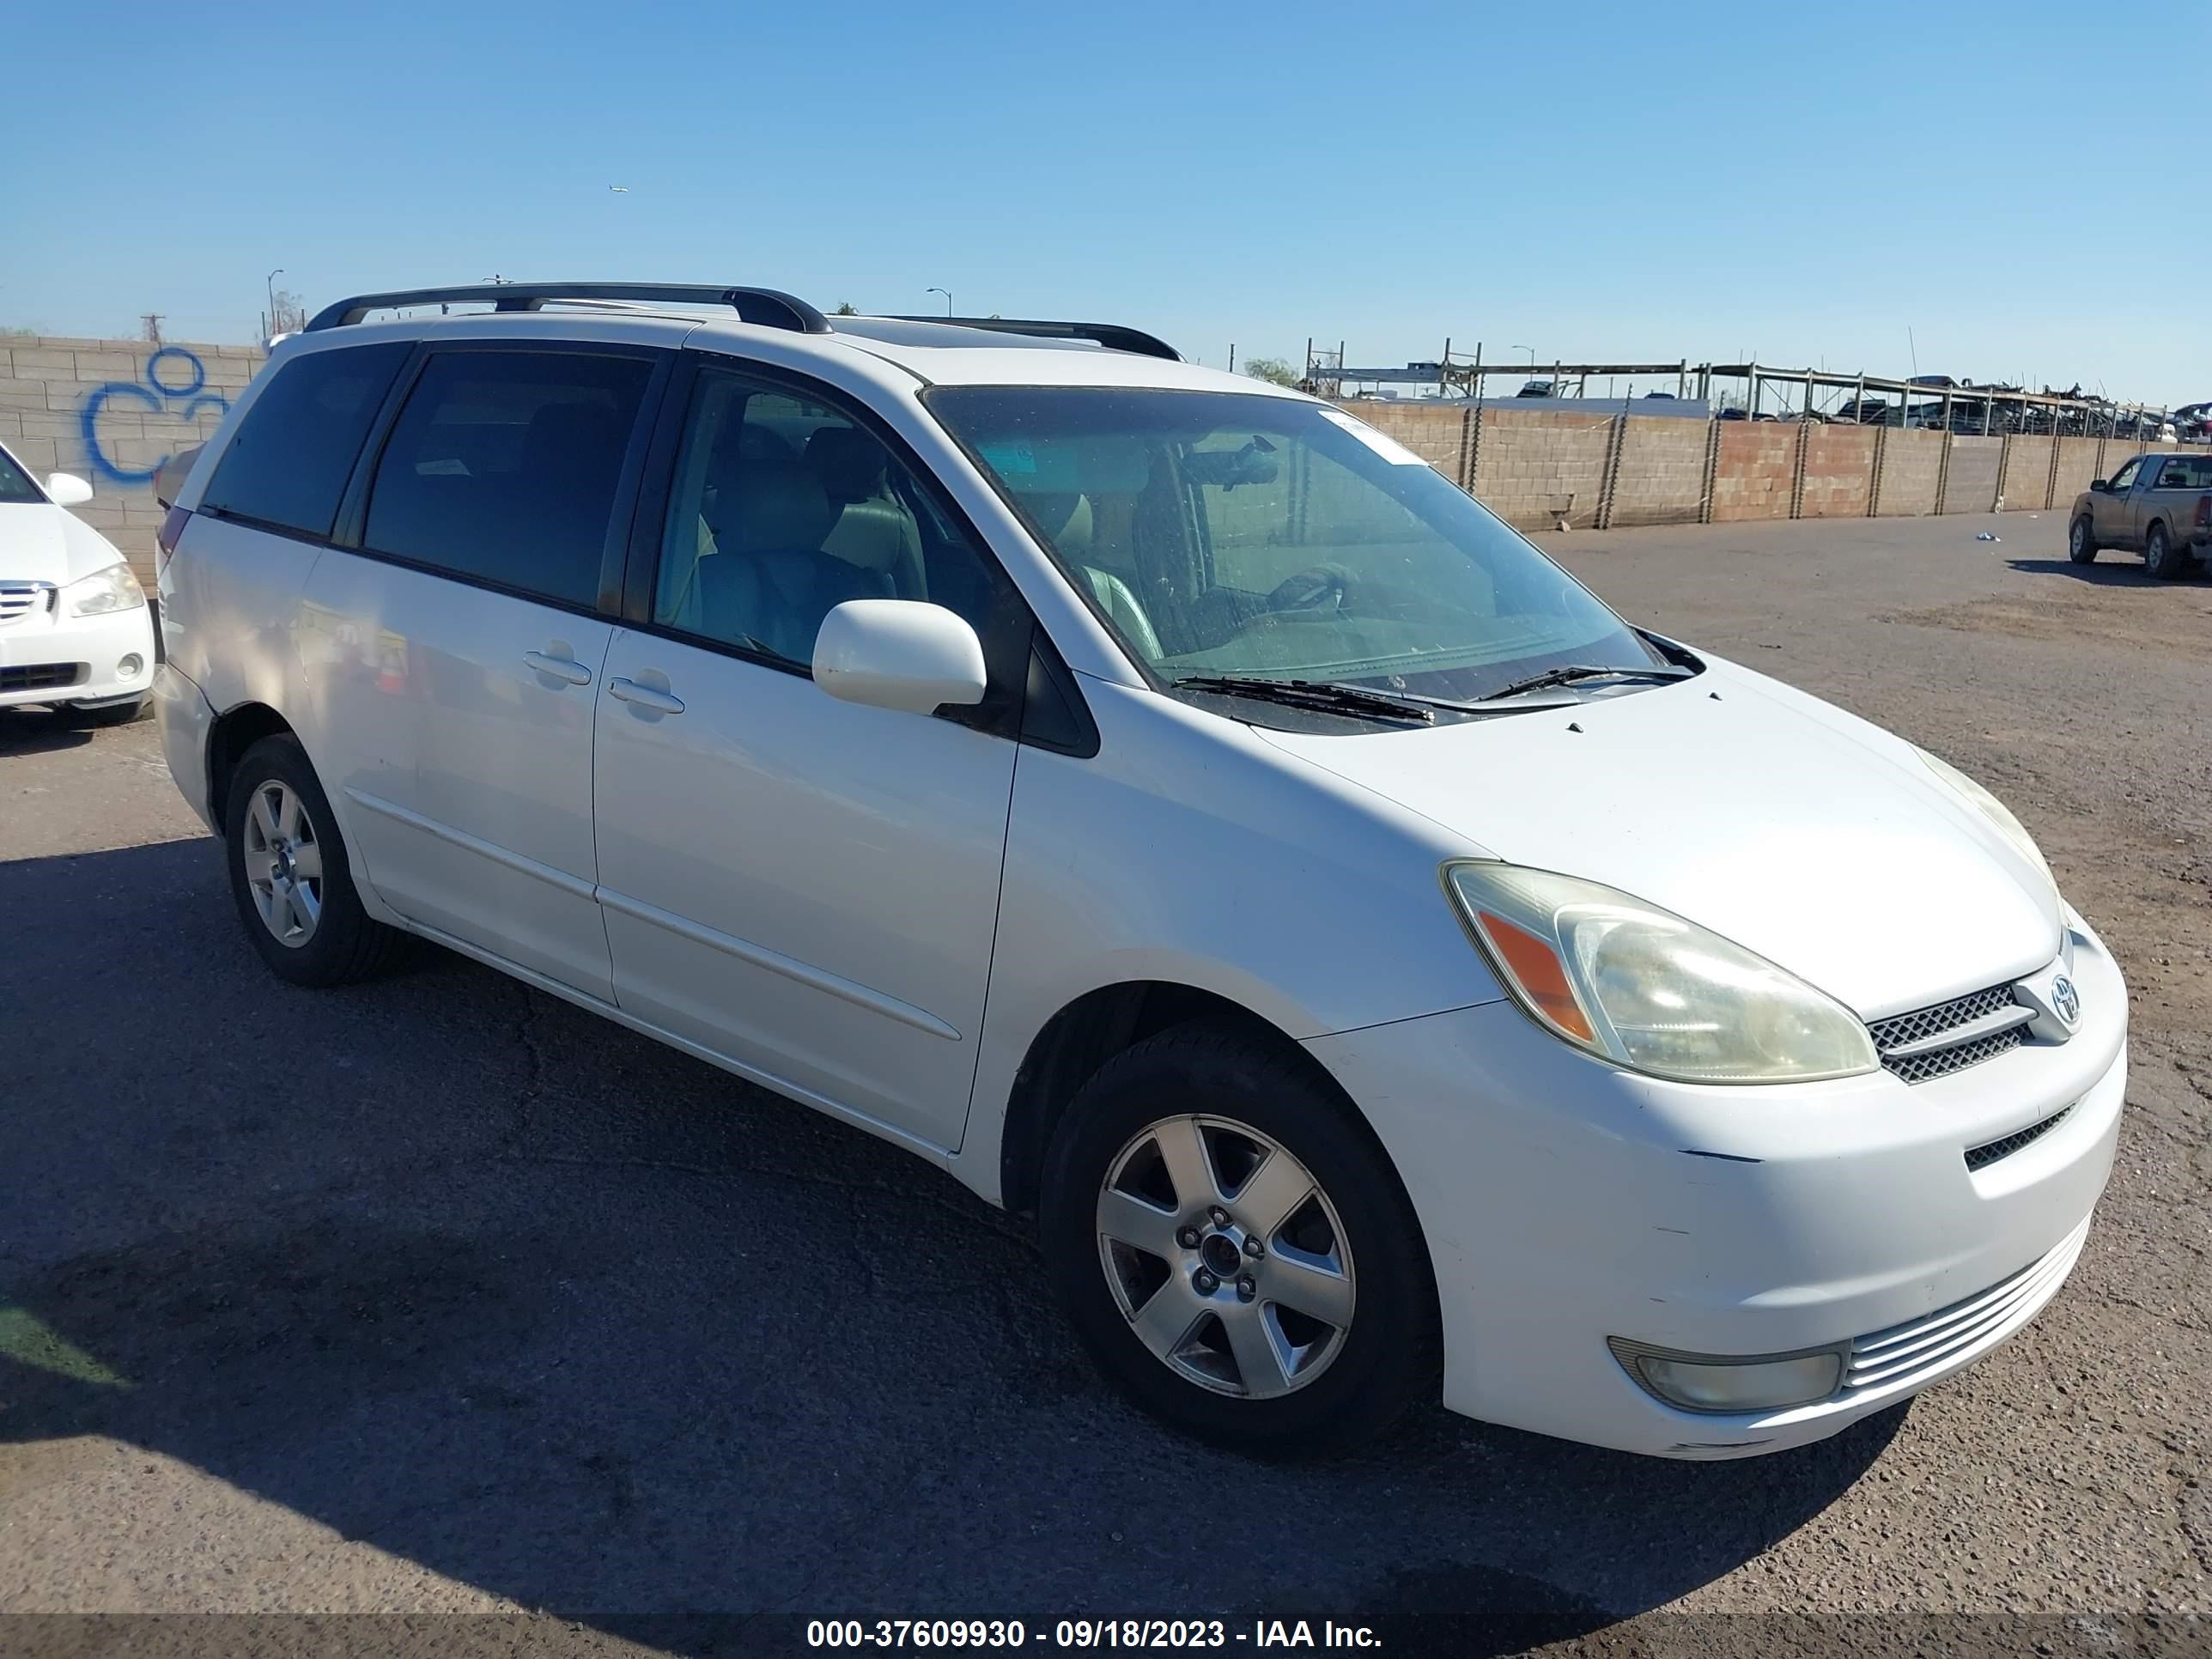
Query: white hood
42	543
1792	828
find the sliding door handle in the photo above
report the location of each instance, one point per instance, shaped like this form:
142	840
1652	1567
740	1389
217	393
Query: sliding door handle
561	668
645	696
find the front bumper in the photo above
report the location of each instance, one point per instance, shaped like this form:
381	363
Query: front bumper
80	661
1565	1202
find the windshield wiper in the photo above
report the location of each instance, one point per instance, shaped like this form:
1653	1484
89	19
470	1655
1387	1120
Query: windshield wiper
1323	696
1569	673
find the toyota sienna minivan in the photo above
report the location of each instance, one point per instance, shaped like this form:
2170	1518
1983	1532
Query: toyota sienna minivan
1384	973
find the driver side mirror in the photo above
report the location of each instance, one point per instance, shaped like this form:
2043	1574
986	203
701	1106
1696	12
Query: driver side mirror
67	489
2098	487
899	653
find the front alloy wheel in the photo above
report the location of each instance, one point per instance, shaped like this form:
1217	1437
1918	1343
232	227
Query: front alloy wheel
1225	1256
1235	1248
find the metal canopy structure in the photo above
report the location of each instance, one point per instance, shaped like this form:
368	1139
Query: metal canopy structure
1766	392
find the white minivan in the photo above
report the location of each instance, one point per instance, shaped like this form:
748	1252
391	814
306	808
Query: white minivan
1165	803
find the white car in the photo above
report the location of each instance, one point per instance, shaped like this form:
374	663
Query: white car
1161	800
74	631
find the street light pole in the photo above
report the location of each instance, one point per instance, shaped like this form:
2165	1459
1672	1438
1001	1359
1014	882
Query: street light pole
269	283
947	292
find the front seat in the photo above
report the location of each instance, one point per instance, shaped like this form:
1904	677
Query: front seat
769	581
873	531
1066	523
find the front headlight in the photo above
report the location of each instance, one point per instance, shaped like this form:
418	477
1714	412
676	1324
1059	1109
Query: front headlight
1992	809
1646	989
103	592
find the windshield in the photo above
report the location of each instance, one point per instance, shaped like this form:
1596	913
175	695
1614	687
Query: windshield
16	488
1226	535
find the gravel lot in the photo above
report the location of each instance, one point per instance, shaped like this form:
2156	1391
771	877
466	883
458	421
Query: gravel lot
441	1295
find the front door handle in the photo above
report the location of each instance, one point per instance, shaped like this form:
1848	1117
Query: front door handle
645	696
561	668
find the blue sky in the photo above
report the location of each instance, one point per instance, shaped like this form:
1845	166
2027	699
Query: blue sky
1805	182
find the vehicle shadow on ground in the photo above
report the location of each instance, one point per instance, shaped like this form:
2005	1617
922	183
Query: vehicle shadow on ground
472	1276
2100	574
24	731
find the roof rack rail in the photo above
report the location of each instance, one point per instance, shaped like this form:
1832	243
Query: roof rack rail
768	307
1113	335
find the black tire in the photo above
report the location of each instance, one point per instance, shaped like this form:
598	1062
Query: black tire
115	714
2166	562
1388	1356
2081	542
346	943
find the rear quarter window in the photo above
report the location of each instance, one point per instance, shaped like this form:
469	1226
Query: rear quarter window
287	463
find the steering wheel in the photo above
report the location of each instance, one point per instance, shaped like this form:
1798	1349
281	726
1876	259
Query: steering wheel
1324	587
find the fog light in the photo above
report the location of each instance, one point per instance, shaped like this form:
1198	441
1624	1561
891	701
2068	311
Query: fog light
1726	1383
129	667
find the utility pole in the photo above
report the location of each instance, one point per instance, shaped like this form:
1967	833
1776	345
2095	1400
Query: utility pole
151	321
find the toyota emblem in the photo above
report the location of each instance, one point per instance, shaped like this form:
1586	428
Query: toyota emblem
2066	1000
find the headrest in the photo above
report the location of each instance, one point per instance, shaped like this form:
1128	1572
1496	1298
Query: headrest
848	461
769	506
1064	520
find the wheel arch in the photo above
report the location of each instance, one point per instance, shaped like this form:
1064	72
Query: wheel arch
233	733
1078	1040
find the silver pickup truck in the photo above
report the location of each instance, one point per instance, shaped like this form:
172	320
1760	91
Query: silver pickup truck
2160	505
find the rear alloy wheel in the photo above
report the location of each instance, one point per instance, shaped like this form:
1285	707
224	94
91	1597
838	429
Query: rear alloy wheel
289	875
2080	544
2162	558
1234	1247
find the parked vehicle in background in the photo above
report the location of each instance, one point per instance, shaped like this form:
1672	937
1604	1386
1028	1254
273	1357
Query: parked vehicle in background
75	634
2158	505
1168	805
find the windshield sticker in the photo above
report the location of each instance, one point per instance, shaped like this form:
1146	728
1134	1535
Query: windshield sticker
1388	448
1009	460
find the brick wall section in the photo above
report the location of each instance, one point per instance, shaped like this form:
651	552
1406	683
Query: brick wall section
2027	472
2077	464
1910	463
1838	472
1662	476
1532	463
142	408
1971	483
1435	432
1756	470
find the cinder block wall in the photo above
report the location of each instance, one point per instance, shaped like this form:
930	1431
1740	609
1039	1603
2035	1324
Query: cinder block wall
2027	486
2077	465
1755	471
1838	472
1971	484
1661	475
1533	465
1435	432
110	412
1911	464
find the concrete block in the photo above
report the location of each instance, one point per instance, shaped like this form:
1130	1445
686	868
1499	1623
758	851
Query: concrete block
37	453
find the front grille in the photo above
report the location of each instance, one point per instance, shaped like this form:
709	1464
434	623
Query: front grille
42	676
1981	1156
1907	1353
1961	1013
21	599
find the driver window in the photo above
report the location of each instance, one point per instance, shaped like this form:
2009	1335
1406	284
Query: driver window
782	509
2126	476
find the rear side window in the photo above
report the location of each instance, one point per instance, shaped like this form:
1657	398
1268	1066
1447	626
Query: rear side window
287	463
503	468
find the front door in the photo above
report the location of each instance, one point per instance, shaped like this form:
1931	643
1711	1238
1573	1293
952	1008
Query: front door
2112	511
455	656
805	887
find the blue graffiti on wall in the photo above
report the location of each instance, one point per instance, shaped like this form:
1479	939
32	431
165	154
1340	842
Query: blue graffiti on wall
176	384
